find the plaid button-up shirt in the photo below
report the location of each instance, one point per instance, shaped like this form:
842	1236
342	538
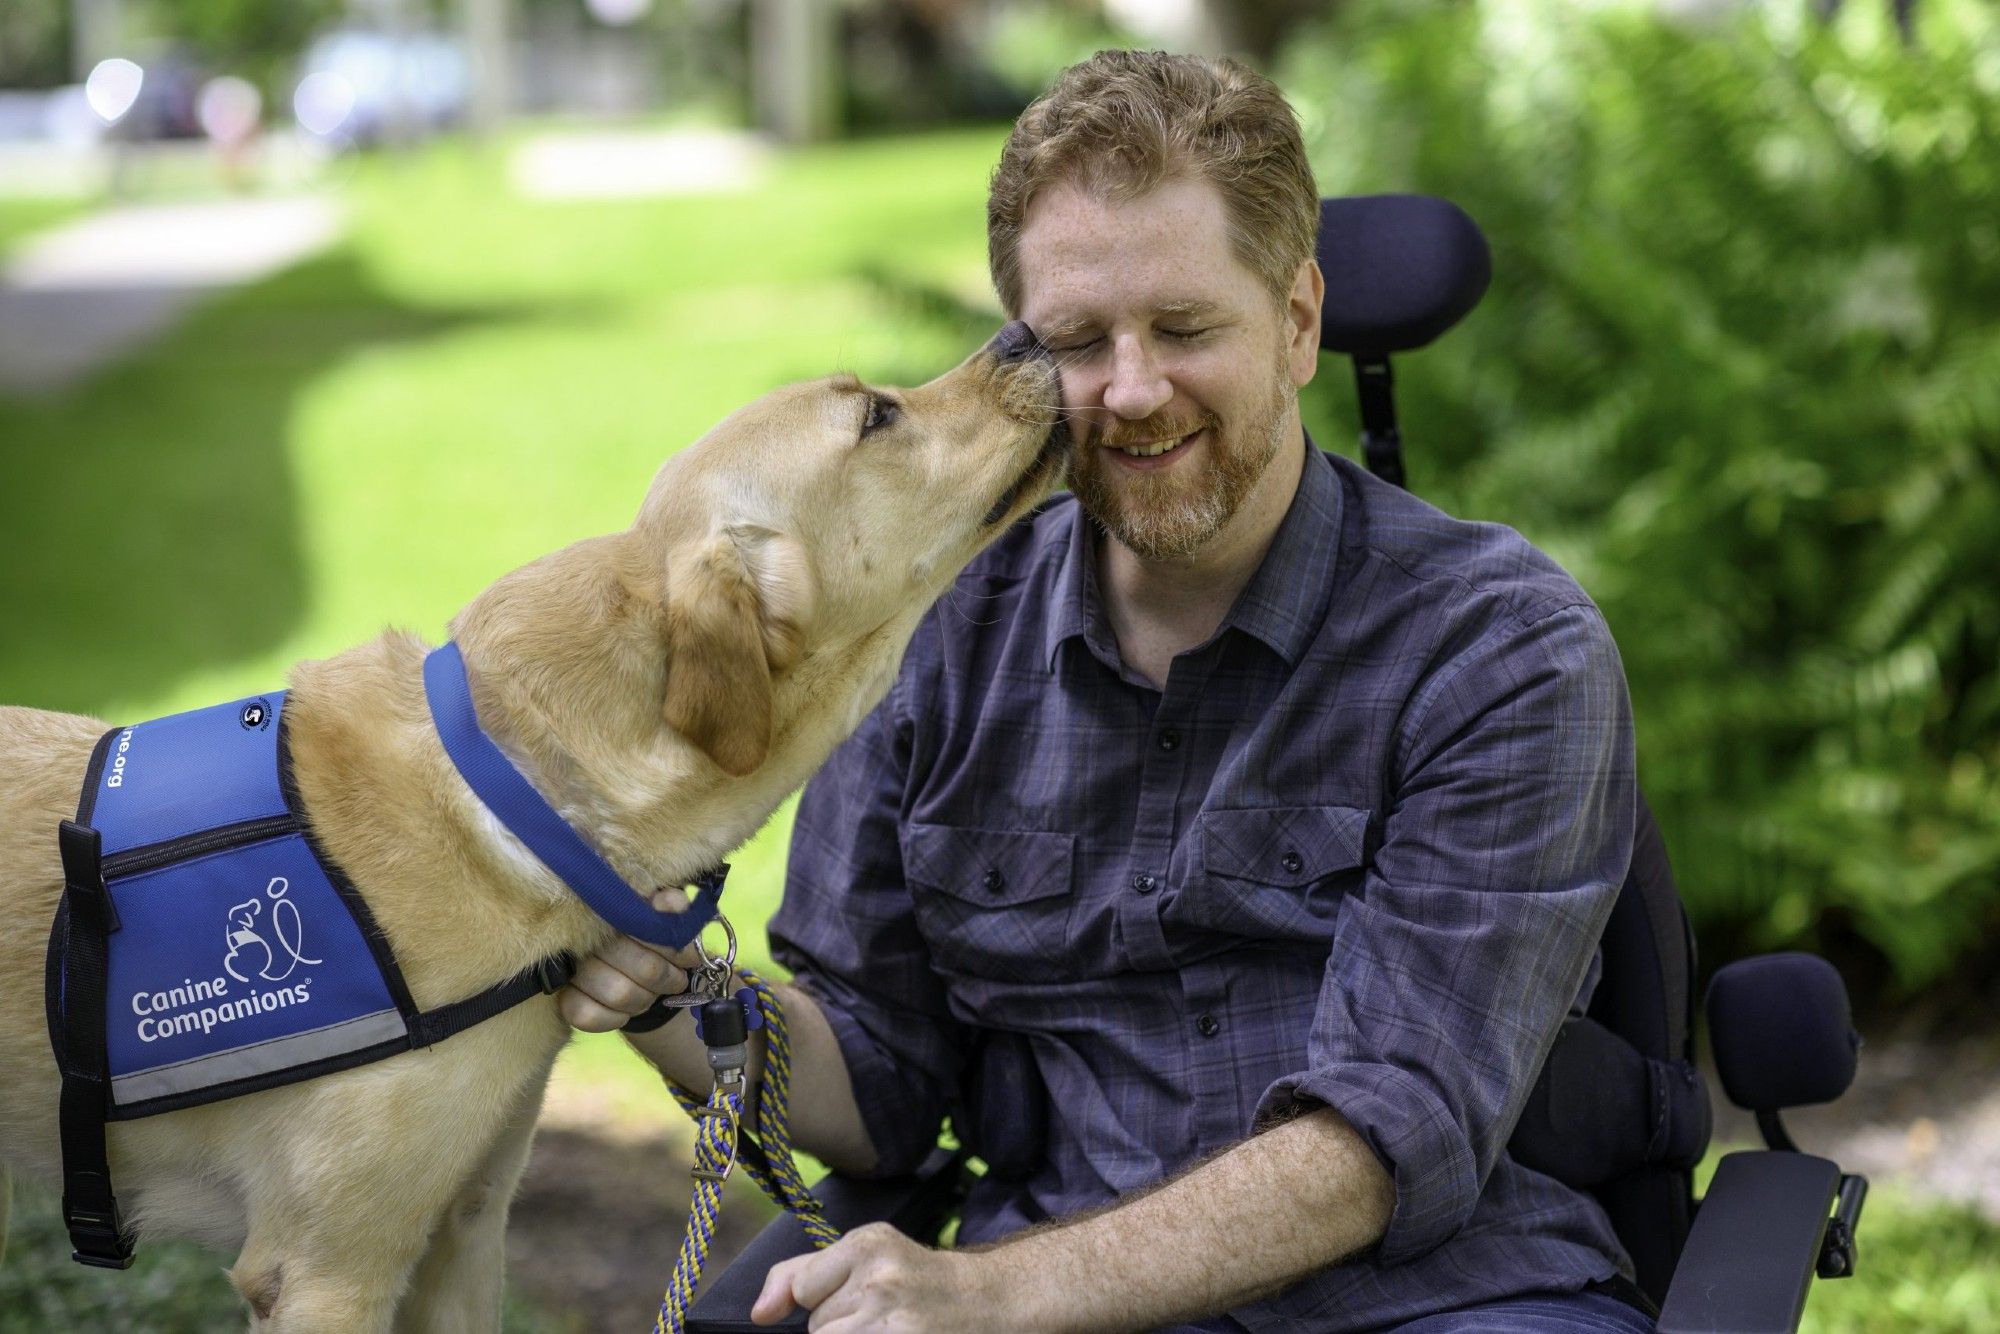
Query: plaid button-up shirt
1357	853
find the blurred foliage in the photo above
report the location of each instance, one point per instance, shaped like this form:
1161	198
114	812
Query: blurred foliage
1739	370
34	43
1027	45
252	38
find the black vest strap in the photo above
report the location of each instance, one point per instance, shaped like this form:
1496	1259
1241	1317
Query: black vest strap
544	977
84	920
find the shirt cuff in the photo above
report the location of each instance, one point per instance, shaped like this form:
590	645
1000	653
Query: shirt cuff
1426	1153
902	1116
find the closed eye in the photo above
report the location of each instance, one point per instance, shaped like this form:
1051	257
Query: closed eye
881	412
1074	350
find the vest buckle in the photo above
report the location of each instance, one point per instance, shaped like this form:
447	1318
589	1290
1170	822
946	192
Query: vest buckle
98	1236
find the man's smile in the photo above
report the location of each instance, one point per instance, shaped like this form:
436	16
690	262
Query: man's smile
1155	454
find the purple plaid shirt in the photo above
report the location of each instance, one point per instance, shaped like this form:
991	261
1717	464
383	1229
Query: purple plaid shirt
1357	853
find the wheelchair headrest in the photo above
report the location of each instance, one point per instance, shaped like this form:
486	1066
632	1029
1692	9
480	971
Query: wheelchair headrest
1782	1033
1400	270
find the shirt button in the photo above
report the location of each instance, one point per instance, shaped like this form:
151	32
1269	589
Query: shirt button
993	879
1208	1025
1169	738
1144	883
1292	862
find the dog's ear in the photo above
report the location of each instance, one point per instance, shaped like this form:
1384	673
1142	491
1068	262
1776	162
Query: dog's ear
736	611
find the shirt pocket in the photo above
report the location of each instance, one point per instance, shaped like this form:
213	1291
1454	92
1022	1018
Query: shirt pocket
1275	872
992	903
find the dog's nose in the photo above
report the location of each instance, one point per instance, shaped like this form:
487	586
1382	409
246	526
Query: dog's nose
1015	342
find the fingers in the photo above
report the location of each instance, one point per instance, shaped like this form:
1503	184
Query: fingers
788	1285
582	1013
617	982
821	1281
822	1273
655	970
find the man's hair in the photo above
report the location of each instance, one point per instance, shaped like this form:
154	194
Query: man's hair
1123	122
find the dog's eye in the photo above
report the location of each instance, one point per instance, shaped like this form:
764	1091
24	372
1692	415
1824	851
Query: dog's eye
881	412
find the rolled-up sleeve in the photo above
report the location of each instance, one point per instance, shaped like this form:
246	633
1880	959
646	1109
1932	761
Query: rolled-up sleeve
846	931
1502	851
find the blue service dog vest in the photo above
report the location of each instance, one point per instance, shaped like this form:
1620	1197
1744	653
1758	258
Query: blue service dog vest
206	946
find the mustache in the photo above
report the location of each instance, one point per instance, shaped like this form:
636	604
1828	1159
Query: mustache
1151	430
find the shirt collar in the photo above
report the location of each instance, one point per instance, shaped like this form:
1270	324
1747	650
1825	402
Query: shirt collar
1283	605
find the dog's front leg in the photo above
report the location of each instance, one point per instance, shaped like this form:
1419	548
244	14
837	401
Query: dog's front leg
458	1284
348	1176
334	1251
300	1283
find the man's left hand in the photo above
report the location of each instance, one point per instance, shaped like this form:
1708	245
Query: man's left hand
875	1278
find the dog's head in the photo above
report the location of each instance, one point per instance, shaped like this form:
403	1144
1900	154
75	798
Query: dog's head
813	527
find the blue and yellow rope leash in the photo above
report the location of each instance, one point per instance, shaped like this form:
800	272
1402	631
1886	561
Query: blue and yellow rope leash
718	1122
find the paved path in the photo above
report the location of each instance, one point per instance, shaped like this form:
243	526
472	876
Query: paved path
77	298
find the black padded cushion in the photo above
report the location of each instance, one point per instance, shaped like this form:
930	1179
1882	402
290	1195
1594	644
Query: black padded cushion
1400	270
1782	1033
1601	1111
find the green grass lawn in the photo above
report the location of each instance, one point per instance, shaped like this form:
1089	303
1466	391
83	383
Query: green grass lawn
468	382
23	217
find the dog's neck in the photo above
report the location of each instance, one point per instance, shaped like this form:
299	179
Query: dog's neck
390	808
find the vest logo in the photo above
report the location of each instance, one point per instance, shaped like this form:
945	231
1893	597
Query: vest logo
116	778
266	951
256	715
247	943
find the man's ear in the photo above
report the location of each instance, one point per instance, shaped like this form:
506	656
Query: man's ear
736	611
1302	316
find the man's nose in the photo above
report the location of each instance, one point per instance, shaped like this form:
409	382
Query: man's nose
1136	389
1015	342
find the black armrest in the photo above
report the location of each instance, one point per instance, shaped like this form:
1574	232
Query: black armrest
917	1205
1756	1241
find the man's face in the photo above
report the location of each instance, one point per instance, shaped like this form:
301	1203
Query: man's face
1179	367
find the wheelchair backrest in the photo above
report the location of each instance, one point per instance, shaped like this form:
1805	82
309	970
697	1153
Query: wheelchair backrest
1619	1109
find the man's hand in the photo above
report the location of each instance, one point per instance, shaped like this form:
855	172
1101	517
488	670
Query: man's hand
1280	1205
624	977
875	1278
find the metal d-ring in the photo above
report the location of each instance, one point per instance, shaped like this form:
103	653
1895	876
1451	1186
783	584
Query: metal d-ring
711	964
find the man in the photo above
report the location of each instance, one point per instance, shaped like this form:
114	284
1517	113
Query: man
1274	814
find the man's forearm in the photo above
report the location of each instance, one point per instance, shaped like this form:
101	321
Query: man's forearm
825	1120
1243	1225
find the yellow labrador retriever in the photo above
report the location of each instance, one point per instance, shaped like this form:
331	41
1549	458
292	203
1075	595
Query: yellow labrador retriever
664	688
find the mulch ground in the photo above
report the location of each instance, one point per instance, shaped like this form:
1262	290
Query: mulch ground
598	1222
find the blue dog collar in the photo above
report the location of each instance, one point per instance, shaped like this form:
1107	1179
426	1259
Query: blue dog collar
515	803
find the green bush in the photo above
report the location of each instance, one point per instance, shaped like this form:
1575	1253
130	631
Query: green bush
1739	370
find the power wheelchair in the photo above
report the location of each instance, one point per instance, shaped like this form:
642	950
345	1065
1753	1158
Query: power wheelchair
1620	1109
